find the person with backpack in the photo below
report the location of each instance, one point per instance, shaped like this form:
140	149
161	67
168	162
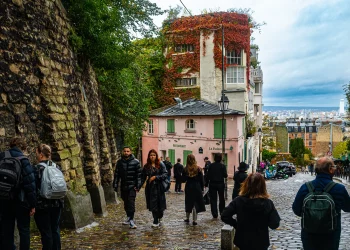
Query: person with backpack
154	174
128	174
52	188
168	166
215	179
17	195
319	203
238	178
255	212
178	168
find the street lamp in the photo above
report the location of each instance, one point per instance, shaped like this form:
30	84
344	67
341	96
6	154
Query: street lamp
223	104
259	133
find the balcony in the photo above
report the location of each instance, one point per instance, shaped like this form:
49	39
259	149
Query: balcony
257	74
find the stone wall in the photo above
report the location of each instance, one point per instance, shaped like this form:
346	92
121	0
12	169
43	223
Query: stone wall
323	139
46	97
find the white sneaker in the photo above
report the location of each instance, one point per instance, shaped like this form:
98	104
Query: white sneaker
160	222
132	224
155	225
127	222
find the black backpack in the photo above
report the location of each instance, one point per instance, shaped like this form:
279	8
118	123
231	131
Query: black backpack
10	175
318	212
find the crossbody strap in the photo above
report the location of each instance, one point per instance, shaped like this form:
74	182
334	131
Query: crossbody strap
329	186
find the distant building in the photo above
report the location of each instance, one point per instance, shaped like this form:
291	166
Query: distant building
195	127
341	107
327	139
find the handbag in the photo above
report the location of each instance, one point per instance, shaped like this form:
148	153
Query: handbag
166	185
206	198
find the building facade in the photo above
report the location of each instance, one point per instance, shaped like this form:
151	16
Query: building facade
195	127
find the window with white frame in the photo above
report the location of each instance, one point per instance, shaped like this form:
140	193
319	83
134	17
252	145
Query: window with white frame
185	82
150	127
181	48
234	75
190	124
234	57
257	88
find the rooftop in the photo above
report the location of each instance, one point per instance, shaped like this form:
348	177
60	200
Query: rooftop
193	107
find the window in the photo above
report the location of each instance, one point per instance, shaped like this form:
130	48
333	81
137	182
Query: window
150	127
234	75
184	48
184	82
170	126
310	129
190	124
257	88
233	57
218	128
310	136
296	136
310	143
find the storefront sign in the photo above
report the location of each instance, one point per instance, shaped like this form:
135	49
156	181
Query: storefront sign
210	148
179	146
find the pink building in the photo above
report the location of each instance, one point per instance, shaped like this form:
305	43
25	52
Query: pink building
195	126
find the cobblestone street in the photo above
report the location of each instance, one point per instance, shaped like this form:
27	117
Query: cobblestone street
175	234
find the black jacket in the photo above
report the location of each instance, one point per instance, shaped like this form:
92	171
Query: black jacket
28	180
206	167
194	191
155	196
178	168
216	173
254	217
129	172
239	177
168	166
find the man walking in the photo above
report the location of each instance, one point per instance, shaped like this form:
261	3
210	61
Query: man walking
17	195
321	228
128	170
178	169
206	166
168	166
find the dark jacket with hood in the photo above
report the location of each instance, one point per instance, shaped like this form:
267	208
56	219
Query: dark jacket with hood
129	172
342	202
239	177
254	217
27	186
155	195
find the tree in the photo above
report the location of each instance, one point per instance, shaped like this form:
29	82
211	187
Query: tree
340	150
297	149
268	155
346	88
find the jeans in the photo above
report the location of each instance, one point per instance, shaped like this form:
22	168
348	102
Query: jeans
48	221
23	226
214	190
7	225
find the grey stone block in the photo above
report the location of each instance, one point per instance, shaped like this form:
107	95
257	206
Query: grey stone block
227	236
77	211
98	200
110	196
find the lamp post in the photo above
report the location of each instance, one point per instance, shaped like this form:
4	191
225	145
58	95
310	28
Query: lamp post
259	133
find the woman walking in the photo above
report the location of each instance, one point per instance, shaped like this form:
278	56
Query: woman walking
255	214
194	188
48	211
154	173
239	178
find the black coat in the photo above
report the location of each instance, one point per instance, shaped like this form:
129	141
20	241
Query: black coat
239	177
168	166
178	168
216	173
194	191
129	172
254	217
28	179
155	196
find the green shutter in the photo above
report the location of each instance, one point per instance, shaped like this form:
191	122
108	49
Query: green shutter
185	154
170	126
218	128
171	154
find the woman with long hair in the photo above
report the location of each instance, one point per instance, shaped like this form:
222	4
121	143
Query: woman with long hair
255	214
194	188
154	172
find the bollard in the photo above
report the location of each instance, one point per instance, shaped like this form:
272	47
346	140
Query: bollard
227	236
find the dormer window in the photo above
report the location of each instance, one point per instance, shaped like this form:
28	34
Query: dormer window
234	57
186	82
181	48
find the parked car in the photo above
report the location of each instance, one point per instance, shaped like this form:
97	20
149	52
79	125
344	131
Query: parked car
285	165
293	168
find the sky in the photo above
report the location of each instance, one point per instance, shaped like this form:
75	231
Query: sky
304	47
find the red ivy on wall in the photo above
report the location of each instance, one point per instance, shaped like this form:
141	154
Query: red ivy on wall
187	30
